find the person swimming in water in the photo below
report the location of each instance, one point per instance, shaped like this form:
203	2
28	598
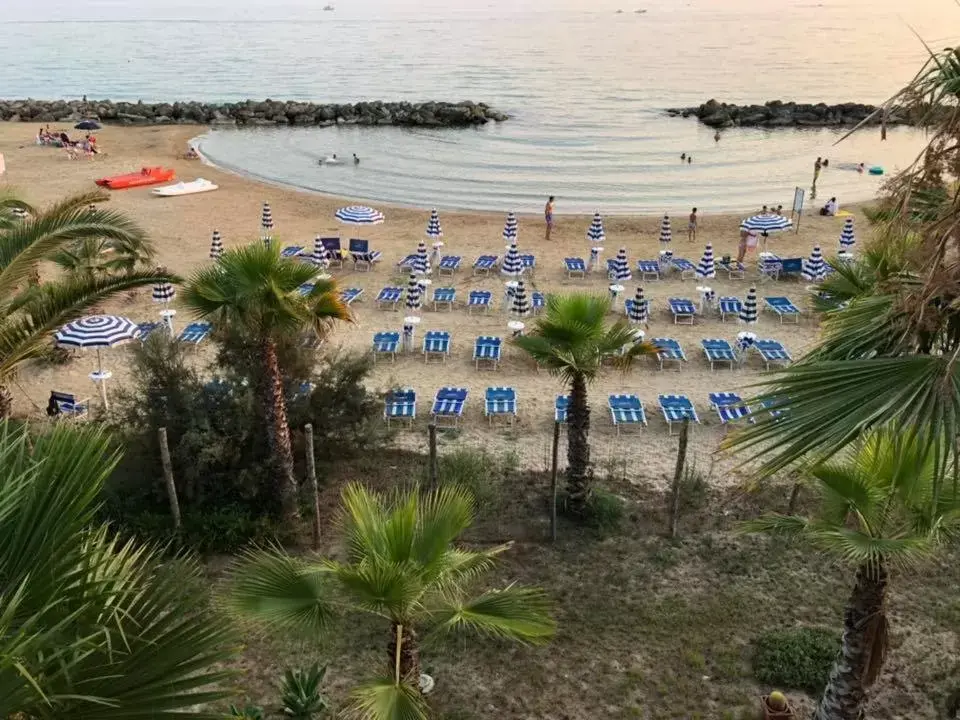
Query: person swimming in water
683	156
356	160
689	159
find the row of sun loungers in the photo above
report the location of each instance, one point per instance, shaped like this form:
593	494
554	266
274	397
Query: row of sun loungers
449	404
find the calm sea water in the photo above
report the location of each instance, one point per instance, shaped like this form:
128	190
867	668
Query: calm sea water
584	87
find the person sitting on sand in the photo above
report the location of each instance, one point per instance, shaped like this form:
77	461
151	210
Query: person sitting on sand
860	168
831	208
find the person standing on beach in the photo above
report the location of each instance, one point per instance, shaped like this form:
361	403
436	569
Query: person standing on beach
548	216
692	226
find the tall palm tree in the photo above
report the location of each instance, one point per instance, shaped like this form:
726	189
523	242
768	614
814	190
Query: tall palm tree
402	565
30	313
91	626
881	509
258	292
573	341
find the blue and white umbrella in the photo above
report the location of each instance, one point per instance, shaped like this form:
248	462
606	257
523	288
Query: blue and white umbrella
414	294
320	256
359	215
510	228
98	332
766	223
847	238
520	305
814	268
433	226
421	261
595	234
666	235
621	267
748	309
163	292
706	268
266	225
639	312
216	246
512	265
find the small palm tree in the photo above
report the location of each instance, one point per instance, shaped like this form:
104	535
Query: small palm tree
402	566
573	341
260	293
882	507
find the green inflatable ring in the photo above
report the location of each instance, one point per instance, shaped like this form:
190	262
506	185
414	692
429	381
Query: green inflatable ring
876	170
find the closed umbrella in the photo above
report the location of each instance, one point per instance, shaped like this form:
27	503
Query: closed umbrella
266	225
847	237
98	332
359	215
216	246
666	234
814	268
621	267
510	228
434	231
512	264
414	294
319	257
639	313
595	234
421	261
163	292
707	268
521	303
748	310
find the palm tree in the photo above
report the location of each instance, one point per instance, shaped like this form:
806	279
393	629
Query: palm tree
402	565
573	341
882	508
257	292
30	313
92	626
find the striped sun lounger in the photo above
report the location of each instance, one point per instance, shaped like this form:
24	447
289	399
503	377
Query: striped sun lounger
669	350
729	305
148	328
771	405
683	266
500	402
448	405
718	350
436	345
772	351
195	333
560	409
529	263
485	264
407	261
364	261
444	296
575	266
306	288
486	349
537	302
677	409
386	343
783	307
729	407
683	311
348	295
401	405
734	270
389	297
291	251
626	410
648	269
449	264
479	299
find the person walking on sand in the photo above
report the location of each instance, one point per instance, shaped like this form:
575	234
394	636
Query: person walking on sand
692	226
548	216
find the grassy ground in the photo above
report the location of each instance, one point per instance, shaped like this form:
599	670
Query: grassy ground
649	628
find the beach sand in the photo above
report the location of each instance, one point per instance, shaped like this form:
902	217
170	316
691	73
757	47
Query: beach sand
181	229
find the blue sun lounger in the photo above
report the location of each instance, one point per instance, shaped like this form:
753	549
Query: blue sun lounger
529	263
306	288
364	261
147	329
401	405
626	410
729	306
487	349
500	402
444	296
648	269
348	295
485	264
537	302
734	270
771	405
407	261
560	409
772	351
718	350
683	311
677	409
292	251
386	343
575	266
389	296
449	264
448	405
195	333
683	266
479	299
783	307
729	407
436	345
669	350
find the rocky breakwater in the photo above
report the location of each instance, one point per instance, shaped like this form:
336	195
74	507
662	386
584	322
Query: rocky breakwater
252	113
777	113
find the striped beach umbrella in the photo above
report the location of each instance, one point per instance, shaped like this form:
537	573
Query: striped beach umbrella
706	268
414	294
666	235
748	310
766	223
266	225
319	257
639	312
163	292
216	246
421	261
510	228
433	226
621	267
520	306
359	215
847	238
512	265
20	213
98	332
814	268
595	234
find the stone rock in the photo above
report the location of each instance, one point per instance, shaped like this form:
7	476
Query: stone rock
777	113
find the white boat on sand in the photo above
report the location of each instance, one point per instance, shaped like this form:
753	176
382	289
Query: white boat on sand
185	188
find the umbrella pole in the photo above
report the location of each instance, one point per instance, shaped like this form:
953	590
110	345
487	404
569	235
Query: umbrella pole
99	363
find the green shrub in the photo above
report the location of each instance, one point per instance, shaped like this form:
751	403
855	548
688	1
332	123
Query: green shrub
604	512
214	531
796	659
248	712
483	473
300	693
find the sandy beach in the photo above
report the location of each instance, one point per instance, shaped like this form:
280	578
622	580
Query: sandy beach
180	229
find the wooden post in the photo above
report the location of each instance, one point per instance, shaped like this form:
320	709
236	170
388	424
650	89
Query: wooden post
678	478
794	496
168	477
553	482
433	469
312	479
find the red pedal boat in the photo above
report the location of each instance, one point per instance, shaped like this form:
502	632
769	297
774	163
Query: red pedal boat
146	176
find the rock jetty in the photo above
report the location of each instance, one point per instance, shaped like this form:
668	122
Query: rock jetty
252	113
777	113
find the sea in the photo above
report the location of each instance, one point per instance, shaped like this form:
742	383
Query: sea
585	83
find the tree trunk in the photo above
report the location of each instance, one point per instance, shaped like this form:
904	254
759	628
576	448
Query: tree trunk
862	649
409	653
6	402
578	446
282	448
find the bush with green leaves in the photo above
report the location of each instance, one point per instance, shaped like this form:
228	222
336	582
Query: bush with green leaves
247	712
604	512
795	659
300	693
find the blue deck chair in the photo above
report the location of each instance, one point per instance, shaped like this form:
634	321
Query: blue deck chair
479	300
348	295
334	251
529	263
487	349
729	407
683	311
500	402
386	343
448	405
783	307
683	266
292	251
436	345
306	288
575	266
626	410
648	269
560	407
407	261
772	351
485	264
449	264
364	261
389	297
677	409
729	305
400	405
195	333
771	405
718	350
734	269
669	350
791	266
537	302
68	405
444	296
148	328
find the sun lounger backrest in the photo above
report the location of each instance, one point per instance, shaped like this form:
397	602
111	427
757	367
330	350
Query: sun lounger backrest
358	245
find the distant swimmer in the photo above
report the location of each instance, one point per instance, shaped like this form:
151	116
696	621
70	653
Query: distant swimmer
330	160
860	168
683	156
826	162
356	160
689	159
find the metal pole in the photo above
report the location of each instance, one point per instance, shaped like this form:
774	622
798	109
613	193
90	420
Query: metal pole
312	479
168	477
553	482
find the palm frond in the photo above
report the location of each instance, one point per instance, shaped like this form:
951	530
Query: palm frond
386	699
517	613
444	514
